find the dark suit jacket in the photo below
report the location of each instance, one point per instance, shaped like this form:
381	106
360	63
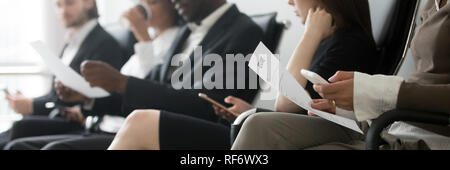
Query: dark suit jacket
98	45
233	33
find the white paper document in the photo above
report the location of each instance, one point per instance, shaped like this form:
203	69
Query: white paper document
65	74
267	66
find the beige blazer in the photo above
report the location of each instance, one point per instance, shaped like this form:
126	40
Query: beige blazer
428	89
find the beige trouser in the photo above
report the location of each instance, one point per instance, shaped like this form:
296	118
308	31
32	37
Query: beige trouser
286	131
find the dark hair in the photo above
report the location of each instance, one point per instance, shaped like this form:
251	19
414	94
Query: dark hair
93	12
350	13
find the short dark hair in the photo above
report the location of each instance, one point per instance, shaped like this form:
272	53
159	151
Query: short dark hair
93	12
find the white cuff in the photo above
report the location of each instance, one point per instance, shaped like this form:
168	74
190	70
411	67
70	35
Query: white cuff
89	105
374	95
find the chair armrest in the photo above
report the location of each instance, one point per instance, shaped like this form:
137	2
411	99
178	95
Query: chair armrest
373	138
236	126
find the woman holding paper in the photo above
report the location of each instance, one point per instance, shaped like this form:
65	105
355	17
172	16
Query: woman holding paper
336	38
337	33
370	96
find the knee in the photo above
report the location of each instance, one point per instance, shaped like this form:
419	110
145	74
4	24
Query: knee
257	121
139	117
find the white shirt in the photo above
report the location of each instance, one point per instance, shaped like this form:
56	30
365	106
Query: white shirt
74	41
198	32
375	95
149	54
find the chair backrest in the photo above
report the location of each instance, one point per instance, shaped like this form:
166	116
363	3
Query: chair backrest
392	22
271	28
124	37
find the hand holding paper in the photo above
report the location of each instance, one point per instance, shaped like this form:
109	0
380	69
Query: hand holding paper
65	74
267	66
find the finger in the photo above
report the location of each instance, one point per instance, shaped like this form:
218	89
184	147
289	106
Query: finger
229	117
326	88
319	100
9	97
90	64
344	104
341	76
312	114
234	100
310	12
136	13
325	105
216	110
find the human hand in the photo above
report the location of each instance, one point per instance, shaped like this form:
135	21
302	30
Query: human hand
66	94
323	105
20	104
239	106
340	90
100	74
74	114
138	24
319	22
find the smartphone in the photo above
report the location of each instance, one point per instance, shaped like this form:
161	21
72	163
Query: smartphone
313	77
205	97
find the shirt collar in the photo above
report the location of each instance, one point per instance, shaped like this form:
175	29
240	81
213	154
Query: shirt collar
209	21
81	34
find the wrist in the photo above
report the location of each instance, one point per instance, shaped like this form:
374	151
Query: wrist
122	85
87	100
314	33
143	36
30	106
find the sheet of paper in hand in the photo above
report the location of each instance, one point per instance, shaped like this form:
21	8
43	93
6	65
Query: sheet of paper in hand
267	66
67	75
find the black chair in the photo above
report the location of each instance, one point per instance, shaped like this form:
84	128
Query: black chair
393	49
272	29
373	138
124	37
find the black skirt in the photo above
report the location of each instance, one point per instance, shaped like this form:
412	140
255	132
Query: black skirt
181	132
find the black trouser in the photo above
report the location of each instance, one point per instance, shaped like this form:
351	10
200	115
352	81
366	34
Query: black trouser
32	126
63	142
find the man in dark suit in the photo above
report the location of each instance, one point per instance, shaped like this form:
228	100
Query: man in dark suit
215	25
86	40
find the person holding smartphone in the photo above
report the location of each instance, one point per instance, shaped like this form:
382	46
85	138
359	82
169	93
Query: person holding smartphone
366	97
338	36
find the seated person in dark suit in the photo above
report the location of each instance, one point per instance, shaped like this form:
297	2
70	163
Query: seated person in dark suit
324	48
218	28
86	40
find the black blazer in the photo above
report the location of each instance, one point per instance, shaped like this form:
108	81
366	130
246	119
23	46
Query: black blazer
98	45
233	33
